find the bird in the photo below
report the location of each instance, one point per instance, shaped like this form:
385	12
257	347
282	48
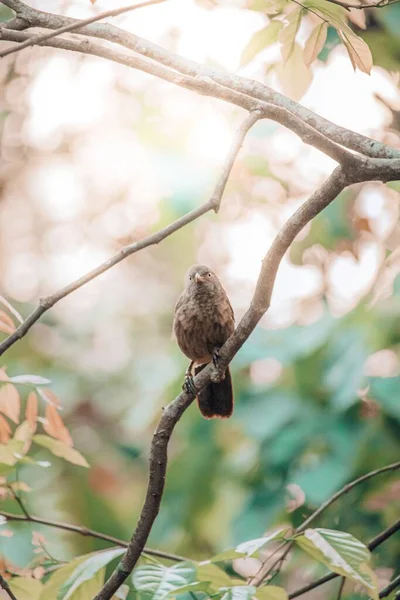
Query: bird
203	321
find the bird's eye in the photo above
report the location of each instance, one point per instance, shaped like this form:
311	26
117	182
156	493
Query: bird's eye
190	277
209	274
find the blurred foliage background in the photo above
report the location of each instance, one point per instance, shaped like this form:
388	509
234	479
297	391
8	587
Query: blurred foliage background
95	156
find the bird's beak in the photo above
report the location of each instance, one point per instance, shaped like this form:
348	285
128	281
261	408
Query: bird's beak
198	278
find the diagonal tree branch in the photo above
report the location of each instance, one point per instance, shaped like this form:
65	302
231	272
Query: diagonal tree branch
84	531
111	33
277	565
4	585
212	204
395	583
36	39
173	412
201	85
345	490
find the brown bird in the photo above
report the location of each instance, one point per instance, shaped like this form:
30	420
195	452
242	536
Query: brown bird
203	322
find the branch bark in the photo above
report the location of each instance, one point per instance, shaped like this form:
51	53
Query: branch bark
37	39
174	62
84	531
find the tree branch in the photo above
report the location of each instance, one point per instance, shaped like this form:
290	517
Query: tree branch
84	531
349	5
374	543
6	588
390	587
201	85
212	204
277	565
347	488
37	39
173	412
190	68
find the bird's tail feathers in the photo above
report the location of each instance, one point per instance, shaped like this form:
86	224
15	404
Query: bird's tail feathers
216	400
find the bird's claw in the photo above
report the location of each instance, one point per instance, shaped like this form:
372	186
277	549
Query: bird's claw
188	385
215	357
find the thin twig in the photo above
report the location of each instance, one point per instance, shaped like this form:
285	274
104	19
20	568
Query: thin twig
341	588
395	583
277	565
37	39
19	501
347	488
6	588
374	543
212	204
84	531
348	5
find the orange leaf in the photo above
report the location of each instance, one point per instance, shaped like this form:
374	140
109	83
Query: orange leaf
55	427
6	323
315	43
31	411
10	402
5	430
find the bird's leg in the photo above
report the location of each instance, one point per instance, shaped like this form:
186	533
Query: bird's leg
215	356
217	377
188	384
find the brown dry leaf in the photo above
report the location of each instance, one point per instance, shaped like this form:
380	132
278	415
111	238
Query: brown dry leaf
287	35
315	43
10	402
6	323
49	396
55	427
31	411
357	16
359	52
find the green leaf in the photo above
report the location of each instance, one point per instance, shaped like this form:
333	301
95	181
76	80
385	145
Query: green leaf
122	592
239	592
386	390
87	570
197	586
271	592
60	449
26	588
214	575
261	39
160	580
315	43
52	585
252	546
9	453
287	35
342	553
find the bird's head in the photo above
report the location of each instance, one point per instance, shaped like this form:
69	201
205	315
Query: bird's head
202	278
